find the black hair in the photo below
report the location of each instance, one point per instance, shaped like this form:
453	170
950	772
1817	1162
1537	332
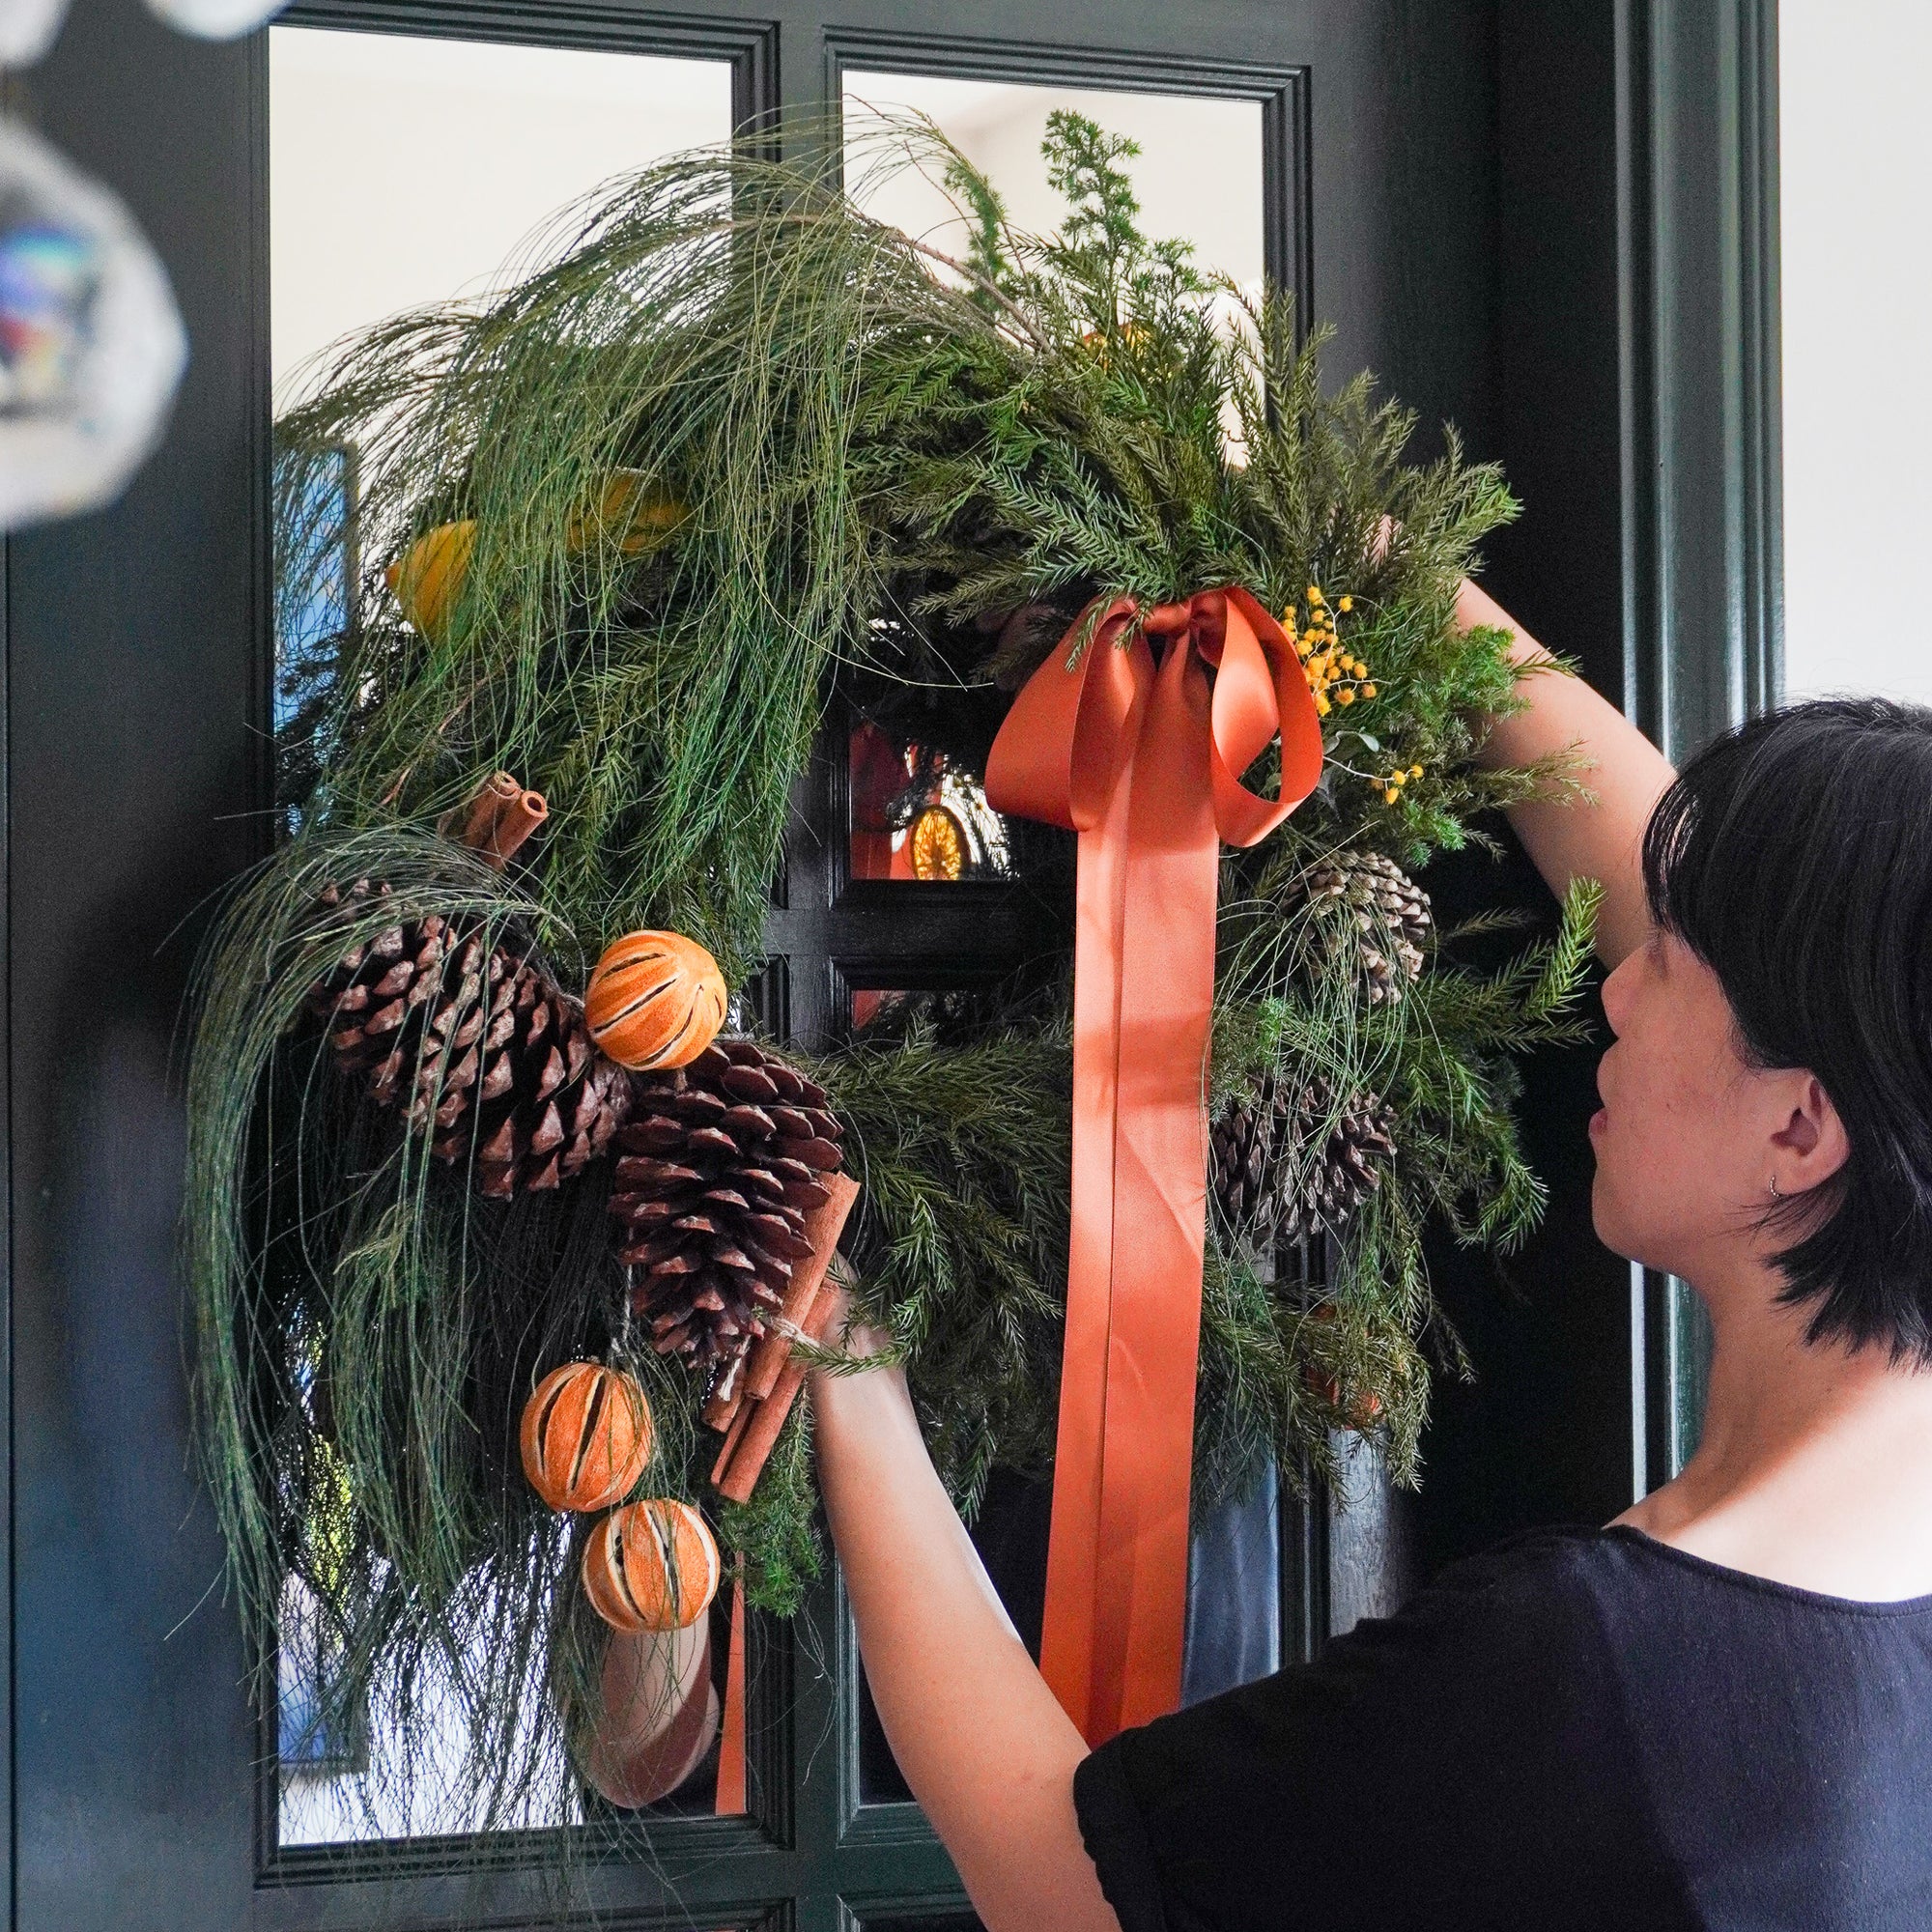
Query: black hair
1794	857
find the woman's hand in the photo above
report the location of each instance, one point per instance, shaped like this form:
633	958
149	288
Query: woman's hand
980	1738
1601	838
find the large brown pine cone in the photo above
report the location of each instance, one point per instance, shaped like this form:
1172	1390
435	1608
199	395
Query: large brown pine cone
492	1055
1265	1183
1392	918
1242	1158
721	1161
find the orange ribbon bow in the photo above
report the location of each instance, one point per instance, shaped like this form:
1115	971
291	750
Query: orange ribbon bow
1146	765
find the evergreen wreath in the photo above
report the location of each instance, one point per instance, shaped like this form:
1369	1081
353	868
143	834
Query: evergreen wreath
738	451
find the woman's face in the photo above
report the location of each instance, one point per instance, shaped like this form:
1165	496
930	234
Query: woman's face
1684	1139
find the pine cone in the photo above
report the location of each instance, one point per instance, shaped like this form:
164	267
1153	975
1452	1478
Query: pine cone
1240	1158
1392	917
492	1055
1264	1180
721	1159
1348	1168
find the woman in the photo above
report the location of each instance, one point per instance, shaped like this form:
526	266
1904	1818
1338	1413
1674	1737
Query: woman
1717	1711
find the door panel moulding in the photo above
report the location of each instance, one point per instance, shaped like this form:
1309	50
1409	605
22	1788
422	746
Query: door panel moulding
1702	520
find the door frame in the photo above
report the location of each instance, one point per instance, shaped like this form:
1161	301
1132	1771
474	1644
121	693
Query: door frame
1703	566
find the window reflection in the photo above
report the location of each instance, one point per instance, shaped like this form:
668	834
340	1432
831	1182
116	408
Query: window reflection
315	600
403	172
1198	176
919	816
315	1736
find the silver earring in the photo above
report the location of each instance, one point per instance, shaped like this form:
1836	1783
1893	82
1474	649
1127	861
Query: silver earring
1774	1194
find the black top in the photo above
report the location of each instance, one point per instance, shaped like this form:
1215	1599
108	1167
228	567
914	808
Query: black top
1582	1728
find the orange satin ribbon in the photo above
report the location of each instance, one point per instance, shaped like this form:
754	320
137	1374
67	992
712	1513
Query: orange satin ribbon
730	1797
1146	765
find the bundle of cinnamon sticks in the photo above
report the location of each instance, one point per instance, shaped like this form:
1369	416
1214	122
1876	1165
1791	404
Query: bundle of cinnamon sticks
752	1406
500	818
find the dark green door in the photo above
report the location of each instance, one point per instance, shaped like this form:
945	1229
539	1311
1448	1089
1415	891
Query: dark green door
1441	183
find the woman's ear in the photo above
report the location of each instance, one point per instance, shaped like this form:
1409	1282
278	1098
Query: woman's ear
1810	1146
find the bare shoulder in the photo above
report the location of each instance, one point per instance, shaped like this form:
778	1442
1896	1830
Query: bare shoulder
1858	1548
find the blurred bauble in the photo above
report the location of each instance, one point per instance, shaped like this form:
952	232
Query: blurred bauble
429	577
91	342
28	28
216	20
633	512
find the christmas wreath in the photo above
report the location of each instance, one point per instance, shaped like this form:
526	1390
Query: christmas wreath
738	454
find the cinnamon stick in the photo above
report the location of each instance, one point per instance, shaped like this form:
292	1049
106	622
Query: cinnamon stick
734	1433
497	791
517	818
823	1226
760	1371
767	1418
730	1800
728	1398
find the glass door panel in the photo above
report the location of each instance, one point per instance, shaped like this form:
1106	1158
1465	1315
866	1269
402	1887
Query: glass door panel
409	171
1198	174
404	171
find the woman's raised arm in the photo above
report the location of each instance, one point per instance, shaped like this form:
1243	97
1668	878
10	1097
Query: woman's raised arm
983	1743
1627	774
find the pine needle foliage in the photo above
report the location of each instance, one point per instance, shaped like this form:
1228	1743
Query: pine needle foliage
730	451
710	328
962	1149
364	1337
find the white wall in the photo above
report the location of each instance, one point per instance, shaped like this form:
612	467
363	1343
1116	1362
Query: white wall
406	170
1856	246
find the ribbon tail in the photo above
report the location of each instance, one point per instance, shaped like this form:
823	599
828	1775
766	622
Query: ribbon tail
1148	767
1160	1181
1073	1546
731	1725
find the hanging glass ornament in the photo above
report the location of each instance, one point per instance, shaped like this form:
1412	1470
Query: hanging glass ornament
216	20
91	342
27	29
